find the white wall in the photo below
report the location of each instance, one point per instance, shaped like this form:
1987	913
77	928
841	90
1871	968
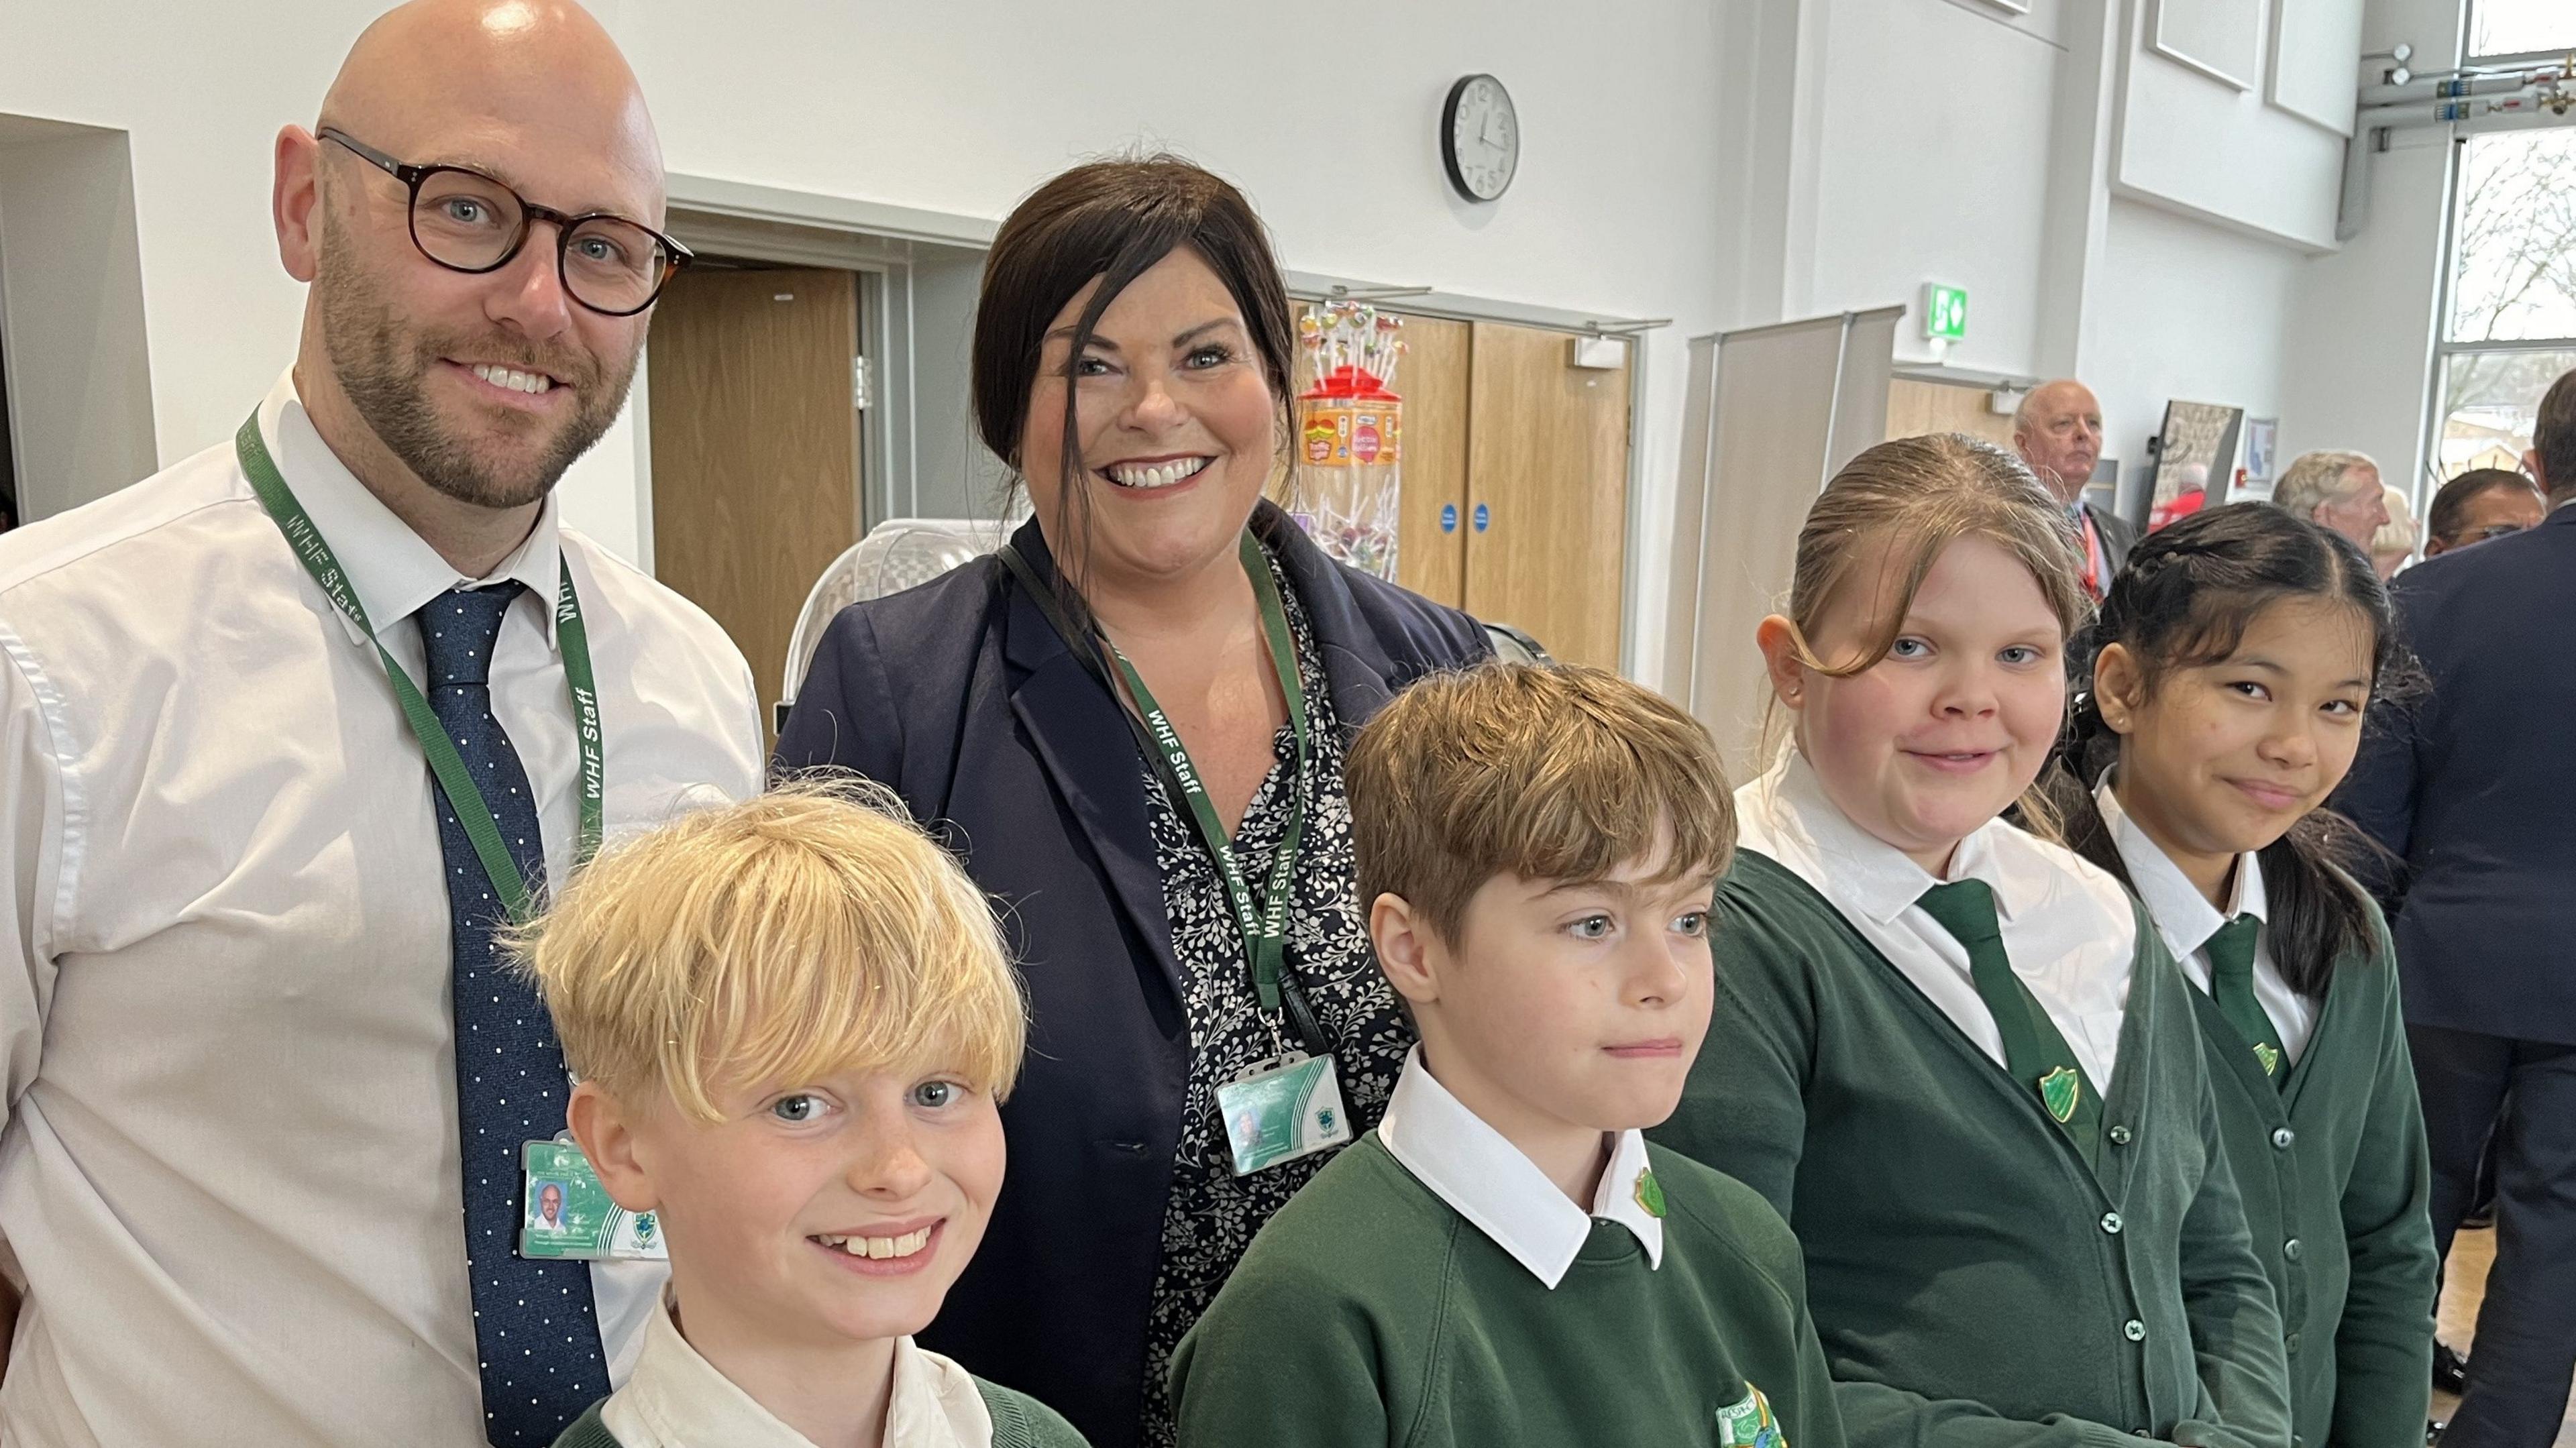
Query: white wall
2183	310
1932	166
2364	320
1718	162
964	107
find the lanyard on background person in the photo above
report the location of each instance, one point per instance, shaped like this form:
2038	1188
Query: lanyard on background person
444	762
1264	928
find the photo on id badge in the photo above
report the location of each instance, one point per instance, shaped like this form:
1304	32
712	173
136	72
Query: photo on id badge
545	1207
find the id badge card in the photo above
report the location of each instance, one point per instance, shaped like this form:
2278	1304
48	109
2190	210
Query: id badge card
1277	1113
567	1215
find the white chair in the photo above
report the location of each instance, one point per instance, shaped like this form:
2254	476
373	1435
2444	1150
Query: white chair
897	554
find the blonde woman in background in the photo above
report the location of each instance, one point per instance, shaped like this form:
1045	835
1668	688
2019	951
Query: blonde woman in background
2393	546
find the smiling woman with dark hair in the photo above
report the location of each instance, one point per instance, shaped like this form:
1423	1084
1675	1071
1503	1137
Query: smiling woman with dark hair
1134	719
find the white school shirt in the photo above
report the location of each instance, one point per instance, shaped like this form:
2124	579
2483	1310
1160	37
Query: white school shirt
2067	924
2186	920
1486	1179
677	1399
229	1177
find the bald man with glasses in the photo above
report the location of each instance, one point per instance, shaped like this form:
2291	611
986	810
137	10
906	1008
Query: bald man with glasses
287	732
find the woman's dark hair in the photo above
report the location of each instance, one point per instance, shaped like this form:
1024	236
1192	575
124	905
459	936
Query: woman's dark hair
1112	220
2188	595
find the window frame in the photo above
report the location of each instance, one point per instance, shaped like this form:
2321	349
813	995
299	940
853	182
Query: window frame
2437	390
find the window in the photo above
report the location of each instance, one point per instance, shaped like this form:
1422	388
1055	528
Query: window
2510	327
2519	27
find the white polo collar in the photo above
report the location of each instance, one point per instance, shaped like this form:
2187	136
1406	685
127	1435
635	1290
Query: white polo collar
1473	1168
392	569
677	1399
1792	811
2183	916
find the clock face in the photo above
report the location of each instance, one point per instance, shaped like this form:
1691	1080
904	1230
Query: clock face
1480	138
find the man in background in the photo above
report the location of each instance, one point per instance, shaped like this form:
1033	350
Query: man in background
2480	505
2058	432
2338	491
286	732
2469	783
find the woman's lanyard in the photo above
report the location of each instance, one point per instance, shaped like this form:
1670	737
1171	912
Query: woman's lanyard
1264	928
444	762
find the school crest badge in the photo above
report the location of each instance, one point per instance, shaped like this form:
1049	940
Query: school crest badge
2060	1091
1650	1194
2270	1056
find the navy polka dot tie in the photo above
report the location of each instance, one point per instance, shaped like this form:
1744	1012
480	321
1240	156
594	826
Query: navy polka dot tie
535	1332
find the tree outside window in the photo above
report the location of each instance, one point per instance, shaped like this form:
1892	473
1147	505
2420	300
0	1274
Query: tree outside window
2512	324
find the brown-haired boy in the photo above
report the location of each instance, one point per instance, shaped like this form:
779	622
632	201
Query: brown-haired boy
1505	1260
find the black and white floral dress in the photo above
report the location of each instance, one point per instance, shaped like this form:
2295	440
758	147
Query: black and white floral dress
1211	1214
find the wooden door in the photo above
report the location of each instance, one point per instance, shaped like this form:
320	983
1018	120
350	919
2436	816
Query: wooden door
1915	408
1547	474
755	447
1433	380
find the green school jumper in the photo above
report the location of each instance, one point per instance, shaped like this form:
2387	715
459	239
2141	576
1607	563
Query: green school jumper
1369	1312
2331	1165
1019	1421
1975	1283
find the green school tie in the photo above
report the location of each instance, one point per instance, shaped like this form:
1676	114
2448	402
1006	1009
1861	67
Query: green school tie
2035	1053
2231	984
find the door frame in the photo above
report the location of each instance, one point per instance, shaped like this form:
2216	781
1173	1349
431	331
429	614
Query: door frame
874	238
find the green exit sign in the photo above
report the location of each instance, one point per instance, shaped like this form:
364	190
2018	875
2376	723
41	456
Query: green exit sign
1945	312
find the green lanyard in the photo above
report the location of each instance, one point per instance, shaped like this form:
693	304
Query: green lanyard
444	762
1265	930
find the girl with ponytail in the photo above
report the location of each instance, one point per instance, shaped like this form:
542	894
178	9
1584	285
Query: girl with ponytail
1955	1055
2239	651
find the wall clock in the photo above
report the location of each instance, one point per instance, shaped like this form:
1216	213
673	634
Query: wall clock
1480	137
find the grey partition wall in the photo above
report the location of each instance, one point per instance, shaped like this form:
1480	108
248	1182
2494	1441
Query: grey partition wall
71	301
1773	411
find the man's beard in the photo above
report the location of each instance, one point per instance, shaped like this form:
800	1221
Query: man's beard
383	365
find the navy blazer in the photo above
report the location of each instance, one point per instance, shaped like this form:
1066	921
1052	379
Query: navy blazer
2472	781
960	696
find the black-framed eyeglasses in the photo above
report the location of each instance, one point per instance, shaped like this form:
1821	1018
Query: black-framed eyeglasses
467	222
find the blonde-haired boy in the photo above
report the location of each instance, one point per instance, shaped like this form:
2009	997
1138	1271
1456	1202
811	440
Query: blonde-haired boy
792	1020
1504	1259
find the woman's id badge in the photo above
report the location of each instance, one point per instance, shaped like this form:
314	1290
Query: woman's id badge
568	1214
1282	1112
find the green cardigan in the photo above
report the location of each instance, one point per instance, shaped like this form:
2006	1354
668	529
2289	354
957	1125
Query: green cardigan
1975	1284
1019	1421
2331	1165
1370	1314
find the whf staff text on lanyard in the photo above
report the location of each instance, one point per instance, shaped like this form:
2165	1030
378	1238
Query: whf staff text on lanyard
444	762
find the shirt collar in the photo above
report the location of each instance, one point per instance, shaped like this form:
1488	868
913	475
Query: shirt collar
2182	914
677	1399
392	569
1869	874
1473	1168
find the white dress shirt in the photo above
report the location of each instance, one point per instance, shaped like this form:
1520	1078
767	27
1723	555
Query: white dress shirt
1487	1180
229	1176
677	1399
2186	920
2067	925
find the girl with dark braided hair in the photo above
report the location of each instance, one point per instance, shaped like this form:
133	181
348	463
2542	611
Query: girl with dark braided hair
2239	651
